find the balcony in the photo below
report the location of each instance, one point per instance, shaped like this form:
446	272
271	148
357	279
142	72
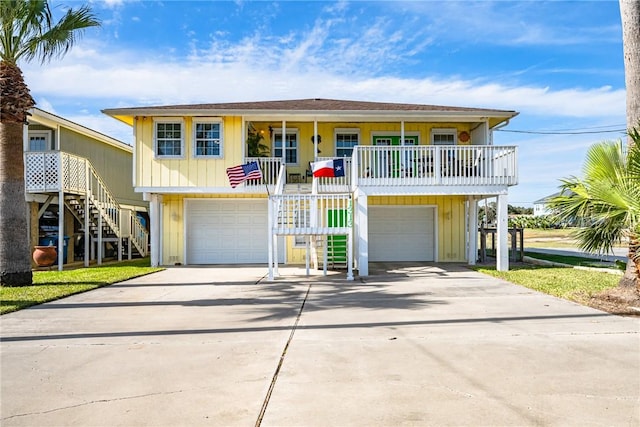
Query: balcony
429	166
52	171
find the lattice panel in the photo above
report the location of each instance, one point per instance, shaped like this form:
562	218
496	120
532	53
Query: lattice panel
42	171
74	174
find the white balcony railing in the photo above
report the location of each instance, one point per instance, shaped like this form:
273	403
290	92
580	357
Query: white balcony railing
308	214
461	165
270	167
340	184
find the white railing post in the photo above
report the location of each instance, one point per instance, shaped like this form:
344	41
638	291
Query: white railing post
87	214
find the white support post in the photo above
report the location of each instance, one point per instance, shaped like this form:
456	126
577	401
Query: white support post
325	252
306	255
100	238
502	255
363	233
315	139
473	231
276	272
284	145
270	237
154	219
61	259
87	224
350	255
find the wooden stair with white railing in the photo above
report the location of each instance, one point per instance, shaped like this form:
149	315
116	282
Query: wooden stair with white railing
87	197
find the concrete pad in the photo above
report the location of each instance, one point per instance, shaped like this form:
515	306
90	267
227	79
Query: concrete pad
409	345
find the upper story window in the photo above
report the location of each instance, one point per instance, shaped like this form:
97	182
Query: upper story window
346	139
207	138
40	140
444	136
169	137
290	145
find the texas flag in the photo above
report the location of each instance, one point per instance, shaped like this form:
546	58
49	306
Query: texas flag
328	168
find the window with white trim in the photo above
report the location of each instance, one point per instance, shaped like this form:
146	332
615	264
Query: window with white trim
207	138
40	140
345	140
290	146
168	137
444	136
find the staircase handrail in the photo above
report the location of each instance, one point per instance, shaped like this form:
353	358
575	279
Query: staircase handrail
109	209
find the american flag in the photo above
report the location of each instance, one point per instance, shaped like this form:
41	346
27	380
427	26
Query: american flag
241	173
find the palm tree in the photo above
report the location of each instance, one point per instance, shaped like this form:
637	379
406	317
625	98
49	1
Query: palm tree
630	14
608	200
27	32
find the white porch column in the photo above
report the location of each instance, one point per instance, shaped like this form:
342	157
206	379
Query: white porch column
154	219
362	231
315	139
502	255
472	256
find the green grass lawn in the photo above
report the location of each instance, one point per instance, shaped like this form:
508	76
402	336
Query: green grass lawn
52	285
563	282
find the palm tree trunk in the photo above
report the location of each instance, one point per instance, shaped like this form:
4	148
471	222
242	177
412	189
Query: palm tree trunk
630	14
15	254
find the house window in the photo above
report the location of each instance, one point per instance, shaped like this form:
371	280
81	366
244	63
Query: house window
443	136
346	139
169	140
207	138
290	146
40	140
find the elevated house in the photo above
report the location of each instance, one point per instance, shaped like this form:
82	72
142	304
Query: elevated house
80	193
414	175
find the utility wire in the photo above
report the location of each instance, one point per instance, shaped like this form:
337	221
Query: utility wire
551	132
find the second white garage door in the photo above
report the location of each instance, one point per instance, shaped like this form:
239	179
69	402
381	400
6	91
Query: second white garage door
401	233
226	231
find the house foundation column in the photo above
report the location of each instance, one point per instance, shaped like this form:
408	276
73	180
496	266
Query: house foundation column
154	219
502	252
362	233
472	246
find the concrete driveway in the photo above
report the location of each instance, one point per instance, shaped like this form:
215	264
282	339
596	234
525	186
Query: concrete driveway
410	345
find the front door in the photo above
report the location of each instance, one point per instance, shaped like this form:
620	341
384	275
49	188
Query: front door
391	163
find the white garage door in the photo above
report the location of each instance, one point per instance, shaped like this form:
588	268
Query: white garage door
401	233
226	231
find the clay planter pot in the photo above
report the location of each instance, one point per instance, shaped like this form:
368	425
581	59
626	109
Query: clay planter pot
44	256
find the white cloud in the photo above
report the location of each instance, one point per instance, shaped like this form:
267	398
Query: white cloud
109	78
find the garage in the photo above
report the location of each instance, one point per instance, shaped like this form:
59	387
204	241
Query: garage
401	233
227	231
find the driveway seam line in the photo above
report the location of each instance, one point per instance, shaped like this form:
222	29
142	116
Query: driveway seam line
267	398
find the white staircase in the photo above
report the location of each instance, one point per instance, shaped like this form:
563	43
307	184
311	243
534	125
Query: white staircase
87	197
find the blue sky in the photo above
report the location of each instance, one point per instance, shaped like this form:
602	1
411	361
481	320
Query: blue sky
558	63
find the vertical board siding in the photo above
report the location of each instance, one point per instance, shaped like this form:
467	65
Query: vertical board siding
205	172
450	226
186	171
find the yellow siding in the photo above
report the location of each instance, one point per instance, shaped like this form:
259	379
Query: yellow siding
191	172
173	223
451	221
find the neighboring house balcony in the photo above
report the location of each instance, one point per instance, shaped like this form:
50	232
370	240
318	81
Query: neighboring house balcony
74	180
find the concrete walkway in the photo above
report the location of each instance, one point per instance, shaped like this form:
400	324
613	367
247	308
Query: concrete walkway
410	345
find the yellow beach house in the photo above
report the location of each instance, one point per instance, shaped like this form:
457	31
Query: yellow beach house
413	177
